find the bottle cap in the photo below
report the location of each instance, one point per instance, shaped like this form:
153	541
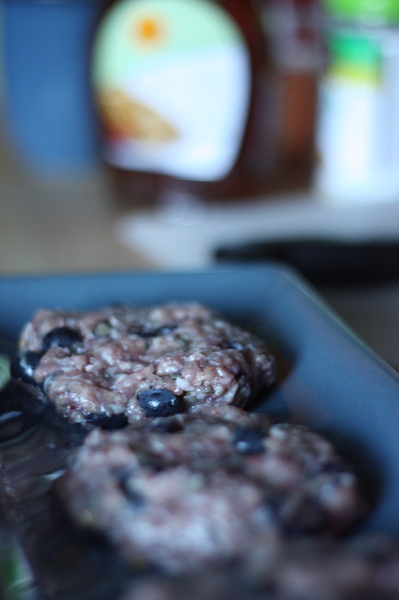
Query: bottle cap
367	11
356	57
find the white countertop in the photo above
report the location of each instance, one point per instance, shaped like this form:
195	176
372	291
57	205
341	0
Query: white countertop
187	238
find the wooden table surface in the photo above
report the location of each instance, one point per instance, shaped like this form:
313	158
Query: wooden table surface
58	226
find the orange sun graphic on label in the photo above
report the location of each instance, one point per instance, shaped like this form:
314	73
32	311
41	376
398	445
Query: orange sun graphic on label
149	31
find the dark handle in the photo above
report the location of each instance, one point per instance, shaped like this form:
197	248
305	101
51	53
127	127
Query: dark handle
324	261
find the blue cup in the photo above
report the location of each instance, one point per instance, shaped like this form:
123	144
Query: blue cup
48	110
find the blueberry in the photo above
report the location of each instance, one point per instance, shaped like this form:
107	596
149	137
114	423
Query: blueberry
166	425
151	333
273	504
24	366
143	333
106	421
64	337
126	484
335	467
248	440
307	517
159	403
297	516
135	499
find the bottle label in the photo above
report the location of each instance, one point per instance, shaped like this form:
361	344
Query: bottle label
358	129
172	79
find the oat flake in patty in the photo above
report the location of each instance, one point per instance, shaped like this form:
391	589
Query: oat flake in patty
121	364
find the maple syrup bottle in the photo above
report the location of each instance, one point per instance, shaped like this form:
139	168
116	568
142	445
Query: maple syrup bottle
184	99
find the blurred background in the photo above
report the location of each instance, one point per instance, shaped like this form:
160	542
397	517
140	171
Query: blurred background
161	134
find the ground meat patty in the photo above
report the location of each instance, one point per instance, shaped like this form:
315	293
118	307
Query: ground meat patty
191	489
118	364
364	569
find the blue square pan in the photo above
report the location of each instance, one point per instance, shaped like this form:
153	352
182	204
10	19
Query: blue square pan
330	381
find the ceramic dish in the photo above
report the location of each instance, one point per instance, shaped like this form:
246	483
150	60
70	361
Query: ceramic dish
329	379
